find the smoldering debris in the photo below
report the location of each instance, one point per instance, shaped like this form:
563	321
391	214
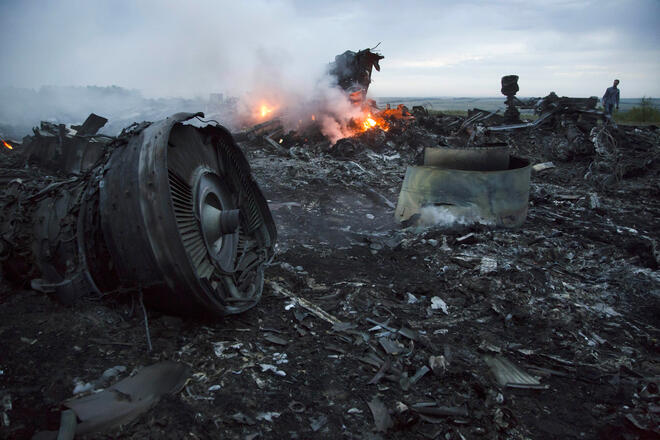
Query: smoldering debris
352	72
370	327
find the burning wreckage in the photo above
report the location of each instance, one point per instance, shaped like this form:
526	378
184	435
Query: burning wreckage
524	304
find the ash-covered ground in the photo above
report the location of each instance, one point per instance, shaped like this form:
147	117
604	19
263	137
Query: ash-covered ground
415	321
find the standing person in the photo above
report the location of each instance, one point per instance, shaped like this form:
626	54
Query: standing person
611	98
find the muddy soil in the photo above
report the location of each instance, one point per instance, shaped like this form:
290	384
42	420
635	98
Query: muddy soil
571	297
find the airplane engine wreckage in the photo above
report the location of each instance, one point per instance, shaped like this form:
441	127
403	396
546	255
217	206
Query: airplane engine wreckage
168	210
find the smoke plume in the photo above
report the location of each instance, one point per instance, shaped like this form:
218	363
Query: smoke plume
151	58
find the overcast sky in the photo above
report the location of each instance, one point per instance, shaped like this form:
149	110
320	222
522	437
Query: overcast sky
431	48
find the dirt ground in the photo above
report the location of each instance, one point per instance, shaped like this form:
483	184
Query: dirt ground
571	297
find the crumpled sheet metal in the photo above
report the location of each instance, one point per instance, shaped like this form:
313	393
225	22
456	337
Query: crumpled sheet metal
508	375
128	398
497	197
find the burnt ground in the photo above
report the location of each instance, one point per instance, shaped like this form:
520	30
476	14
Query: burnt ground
572	298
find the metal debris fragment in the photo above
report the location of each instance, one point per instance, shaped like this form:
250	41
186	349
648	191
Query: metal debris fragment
438	304
312	308
128	398
508	375
381	415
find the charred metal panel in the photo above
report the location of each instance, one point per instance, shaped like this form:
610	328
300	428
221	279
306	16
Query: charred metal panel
352	71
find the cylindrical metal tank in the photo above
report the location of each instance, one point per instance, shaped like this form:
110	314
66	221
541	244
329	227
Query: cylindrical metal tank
488	157
498	197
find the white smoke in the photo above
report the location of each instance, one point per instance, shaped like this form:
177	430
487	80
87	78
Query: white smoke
165	49
451	215
298	101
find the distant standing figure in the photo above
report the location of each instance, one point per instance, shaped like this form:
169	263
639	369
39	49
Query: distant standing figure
611	98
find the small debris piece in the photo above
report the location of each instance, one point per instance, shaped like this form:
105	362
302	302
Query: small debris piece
312	308
404	381
343	326
409	333
470	238
276	146
381	372
6	402
280	358
606	310
243	419
438	364
438	304
268	416
488	265
382	419
401	407
318	422
419	374
222	348
273	368
275	339
6	407
487	346
297	407
91	126
128	398
508	375
391	346
543	166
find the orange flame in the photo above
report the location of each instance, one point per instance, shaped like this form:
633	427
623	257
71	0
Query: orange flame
265	110
368	123
7	145
374	121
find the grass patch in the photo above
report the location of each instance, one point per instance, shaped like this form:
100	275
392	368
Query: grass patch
644	113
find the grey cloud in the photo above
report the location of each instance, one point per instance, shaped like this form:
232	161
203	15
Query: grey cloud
170	48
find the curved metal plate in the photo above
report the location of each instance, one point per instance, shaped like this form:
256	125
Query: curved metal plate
489	157
498	197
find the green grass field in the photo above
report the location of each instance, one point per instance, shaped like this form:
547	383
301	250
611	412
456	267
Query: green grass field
643	113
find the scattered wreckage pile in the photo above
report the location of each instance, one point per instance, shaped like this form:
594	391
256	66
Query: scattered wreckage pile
443	326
